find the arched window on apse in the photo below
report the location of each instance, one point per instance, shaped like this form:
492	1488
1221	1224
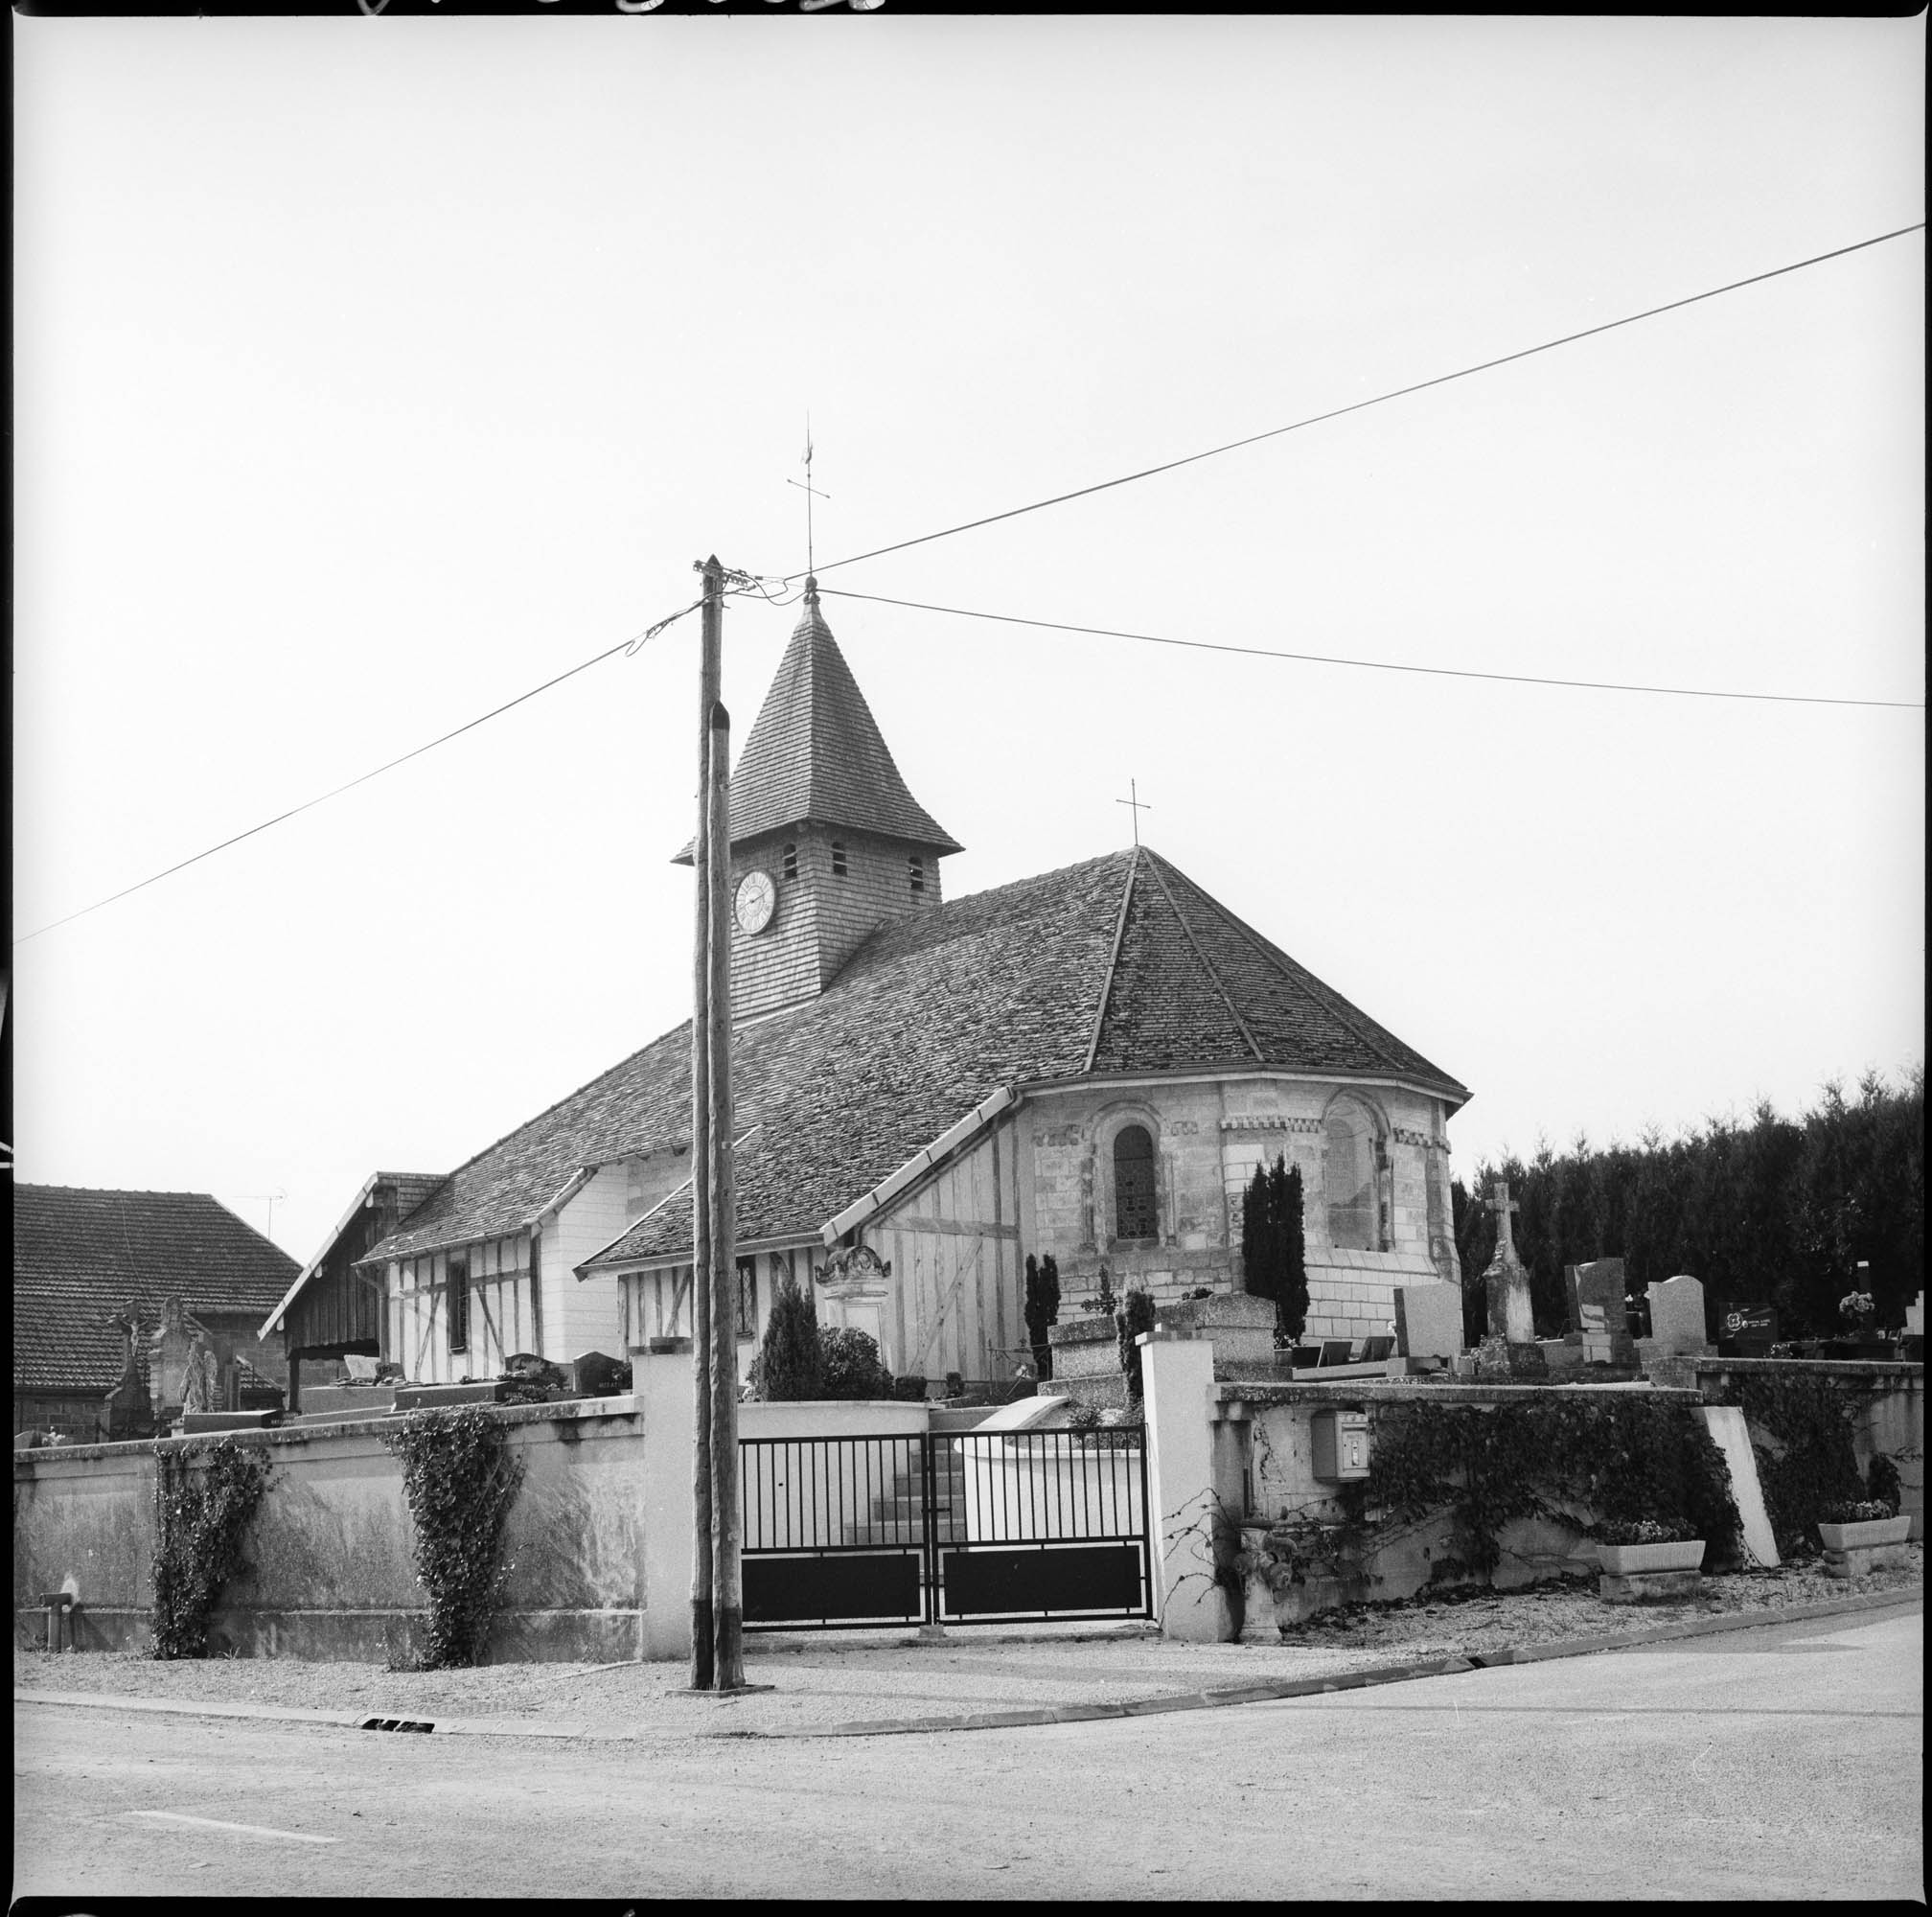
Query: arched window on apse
1134	1208
1349	1177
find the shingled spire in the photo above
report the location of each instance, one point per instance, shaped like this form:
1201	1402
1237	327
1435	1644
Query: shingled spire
816	754
827	843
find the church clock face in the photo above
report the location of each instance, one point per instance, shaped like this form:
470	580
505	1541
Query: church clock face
756	900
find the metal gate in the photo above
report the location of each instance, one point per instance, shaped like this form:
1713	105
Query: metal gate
842	1534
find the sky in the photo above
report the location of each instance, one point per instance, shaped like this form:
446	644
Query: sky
371	373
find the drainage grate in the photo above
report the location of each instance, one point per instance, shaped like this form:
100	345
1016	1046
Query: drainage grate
395	1724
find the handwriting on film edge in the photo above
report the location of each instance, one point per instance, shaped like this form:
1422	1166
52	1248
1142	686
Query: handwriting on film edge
373	7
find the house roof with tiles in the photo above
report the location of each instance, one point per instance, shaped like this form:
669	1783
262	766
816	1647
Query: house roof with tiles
80	1256
816	754
1118	966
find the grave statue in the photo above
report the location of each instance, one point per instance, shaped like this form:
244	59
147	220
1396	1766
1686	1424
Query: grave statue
199	1383
168	1358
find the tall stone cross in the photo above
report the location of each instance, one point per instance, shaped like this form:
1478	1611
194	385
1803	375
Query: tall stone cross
1501	1204
1505	1281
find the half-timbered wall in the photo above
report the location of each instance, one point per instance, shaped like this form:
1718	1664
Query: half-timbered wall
658	1304
954	1242
416	1335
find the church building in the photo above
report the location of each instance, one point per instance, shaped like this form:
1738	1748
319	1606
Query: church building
1089	1063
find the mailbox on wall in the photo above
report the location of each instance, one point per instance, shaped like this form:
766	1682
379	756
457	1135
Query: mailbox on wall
1341	1445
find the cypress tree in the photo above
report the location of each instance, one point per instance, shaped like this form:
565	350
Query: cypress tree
1258	1258
1285	1222
1043	1309
790	1360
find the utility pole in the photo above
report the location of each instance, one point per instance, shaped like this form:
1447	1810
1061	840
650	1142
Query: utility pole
728	1639
702	1661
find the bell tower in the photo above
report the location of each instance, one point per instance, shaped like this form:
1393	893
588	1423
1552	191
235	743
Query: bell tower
827	842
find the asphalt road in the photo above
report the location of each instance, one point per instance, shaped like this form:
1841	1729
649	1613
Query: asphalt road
1782	1762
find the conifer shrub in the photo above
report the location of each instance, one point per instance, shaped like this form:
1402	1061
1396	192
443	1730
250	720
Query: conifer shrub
791	1360
853	1366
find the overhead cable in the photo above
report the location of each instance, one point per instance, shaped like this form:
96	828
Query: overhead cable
1359	405
629	645
1381	665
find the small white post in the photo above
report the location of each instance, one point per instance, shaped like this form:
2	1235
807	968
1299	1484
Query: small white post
1177	1381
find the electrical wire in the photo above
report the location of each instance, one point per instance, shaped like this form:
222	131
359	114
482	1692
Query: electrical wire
1380	665
1380	398
627	646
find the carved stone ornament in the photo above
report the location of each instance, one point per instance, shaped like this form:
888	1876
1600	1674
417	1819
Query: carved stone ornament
858	1265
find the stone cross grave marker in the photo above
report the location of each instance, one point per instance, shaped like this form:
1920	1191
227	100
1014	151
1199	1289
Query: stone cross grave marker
130	1413
1506	1283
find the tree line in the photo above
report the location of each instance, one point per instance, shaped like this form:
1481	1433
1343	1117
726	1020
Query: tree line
1771	1210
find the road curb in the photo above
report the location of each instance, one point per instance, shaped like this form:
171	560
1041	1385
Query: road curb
1266	1692
1223	1697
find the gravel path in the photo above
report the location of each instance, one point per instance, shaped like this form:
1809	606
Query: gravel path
839	1678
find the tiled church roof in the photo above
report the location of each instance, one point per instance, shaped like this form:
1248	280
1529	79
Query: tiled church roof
816	751
933	1013
80	1256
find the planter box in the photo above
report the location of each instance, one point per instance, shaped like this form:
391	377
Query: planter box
1630	1574
1851	1550
1866	1531
1622	1559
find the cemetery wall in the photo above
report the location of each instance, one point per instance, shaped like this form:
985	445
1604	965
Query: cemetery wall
1888	1400
1268	1430
598	1540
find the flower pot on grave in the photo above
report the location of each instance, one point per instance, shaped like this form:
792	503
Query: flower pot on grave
1620	1560
1865	1534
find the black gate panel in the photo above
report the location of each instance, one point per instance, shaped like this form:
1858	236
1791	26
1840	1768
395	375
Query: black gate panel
1047	1580
838	1587
909	1528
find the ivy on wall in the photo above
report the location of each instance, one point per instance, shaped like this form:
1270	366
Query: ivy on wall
1808	1463
460	1480
1614	1458
199	1519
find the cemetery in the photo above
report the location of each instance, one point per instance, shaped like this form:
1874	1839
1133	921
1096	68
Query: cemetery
1271	1482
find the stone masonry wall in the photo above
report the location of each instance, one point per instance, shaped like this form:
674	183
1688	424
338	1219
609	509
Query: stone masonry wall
1209	1136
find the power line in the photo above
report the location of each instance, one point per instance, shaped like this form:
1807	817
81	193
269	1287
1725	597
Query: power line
1381	665
1380	398
623	645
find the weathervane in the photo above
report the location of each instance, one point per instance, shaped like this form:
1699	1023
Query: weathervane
810	491
1139	807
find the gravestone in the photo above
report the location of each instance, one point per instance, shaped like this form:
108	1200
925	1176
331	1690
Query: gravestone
1747	1330
1596	1316
1428	1321
595	1374
1506	1285
1677	1318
